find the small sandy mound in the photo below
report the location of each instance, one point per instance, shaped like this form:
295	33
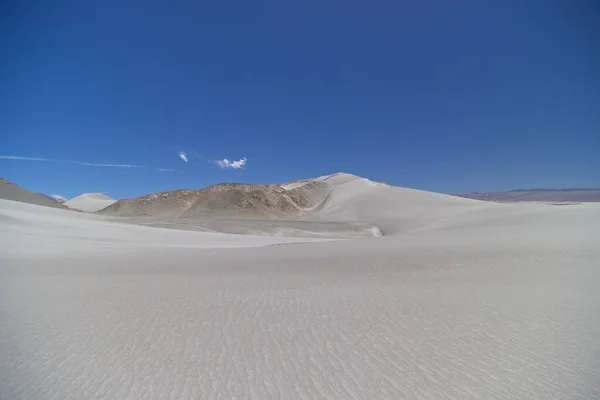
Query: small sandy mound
90	202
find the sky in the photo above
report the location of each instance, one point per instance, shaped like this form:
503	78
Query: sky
129	98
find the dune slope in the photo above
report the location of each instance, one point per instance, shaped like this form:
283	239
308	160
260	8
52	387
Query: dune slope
394	210
14	192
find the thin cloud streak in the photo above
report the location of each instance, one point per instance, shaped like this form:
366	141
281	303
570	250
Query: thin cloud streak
27	158
84	163
107	165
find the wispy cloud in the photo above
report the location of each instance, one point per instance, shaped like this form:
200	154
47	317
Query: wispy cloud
27	158
237	164
183	156
107	165
58	197
85	163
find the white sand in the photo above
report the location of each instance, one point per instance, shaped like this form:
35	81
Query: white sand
465	300
90	202
33	231
394	209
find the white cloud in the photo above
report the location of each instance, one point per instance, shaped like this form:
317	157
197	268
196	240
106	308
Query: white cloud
183	156
164	169
225	163
59	198
85	163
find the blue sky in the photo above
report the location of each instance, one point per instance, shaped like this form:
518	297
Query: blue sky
435	95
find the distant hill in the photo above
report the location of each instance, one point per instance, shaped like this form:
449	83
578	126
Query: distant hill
575	195
14	192
339	198
90	202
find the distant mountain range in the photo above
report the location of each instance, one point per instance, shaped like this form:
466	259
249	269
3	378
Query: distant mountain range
234	200
574	195
557	190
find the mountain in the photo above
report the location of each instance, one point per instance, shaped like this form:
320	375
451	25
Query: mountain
336	198
577	195
224	200
14	192
90	202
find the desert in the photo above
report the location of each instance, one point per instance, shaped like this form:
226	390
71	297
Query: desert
358	290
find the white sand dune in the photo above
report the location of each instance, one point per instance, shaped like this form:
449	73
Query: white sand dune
32	231
394	210
90	202
461	300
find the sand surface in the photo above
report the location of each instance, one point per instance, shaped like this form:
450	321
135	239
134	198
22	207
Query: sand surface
39	232
460	300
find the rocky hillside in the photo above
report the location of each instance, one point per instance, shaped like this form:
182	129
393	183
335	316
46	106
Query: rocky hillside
225	200
14	192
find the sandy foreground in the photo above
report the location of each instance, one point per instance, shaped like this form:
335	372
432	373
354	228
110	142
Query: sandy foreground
484	302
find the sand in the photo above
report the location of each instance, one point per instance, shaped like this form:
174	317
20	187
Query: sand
460	300
90	202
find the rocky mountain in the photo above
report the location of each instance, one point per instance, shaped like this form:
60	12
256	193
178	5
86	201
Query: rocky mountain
224	200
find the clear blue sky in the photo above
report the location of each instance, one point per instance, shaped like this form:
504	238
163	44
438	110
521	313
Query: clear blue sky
436	95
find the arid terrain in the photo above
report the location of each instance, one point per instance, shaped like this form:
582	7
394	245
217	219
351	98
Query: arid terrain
542	196
11	191
227	200
335	287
